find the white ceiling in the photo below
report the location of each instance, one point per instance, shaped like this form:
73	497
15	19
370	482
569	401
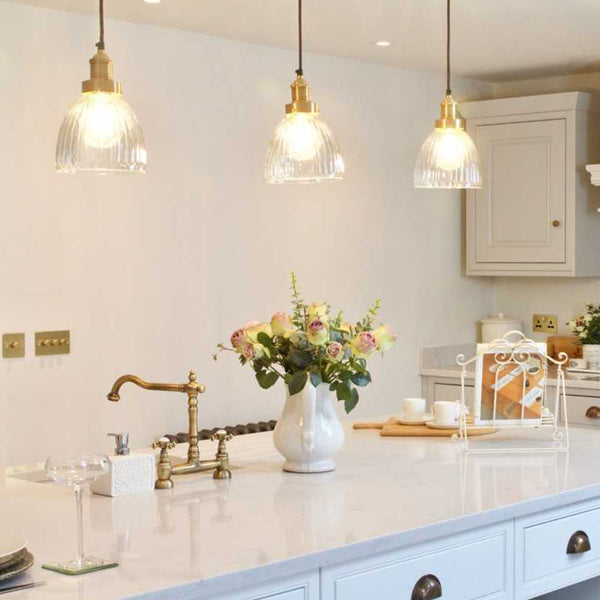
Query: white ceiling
493	40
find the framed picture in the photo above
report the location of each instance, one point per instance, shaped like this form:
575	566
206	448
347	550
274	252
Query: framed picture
510	387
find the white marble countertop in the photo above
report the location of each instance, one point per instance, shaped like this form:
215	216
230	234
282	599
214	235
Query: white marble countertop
205	537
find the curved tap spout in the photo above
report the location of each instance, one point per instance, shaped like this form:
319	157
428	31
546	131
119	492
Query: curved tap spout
190	387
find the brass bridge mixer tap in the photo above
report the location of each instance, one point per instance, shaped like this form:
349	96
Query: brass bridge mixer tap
192	388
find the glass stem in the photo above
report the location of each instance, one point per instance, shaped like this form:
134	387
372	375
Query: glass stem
79	503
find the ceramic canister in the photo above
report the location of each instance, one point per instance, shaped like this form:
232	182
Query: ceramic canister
493	328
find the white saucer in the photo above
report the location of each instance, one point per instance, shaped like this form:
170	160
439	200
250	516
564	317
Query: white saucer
423	420
10	543
435	425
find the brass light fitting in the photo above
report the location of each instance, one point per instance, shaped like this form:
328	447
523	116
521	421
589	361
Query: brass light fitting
101	75
450	118
101	66
301	102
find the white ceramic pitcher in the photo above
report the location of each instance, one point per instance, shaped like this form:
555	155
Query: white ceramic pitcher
309	431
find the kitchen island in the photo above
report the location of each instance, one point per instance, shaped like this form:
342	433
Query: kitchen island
396	509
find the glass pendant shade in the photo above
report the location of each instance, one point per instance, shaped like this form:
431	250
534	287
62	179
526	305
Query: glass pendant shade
448	159
101	134
303	150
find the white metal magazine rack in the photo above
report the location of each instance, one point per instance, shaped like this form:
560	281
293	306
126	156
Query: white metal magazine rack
511	396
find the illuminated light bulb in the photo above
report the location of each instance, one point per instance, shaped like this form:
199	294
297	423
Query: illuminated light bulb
301	136
100	119
450	148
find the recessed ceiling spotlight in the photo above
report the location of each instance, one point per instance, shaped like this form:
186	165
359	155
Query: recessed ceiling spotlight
152	1
384	43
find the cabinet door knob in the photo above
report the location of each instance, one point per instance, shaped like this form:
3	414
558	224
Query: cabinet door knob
427	588
556	223
593	412
579	543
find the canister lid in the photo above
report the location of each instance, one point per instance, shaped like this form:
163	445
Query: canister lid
500	319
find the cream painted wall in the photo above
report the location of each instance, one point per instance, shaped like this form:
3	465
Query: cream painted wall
150	272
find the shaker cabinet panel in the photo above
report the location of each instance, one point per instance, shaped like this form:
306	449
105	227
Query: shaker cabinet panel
520	211
535	214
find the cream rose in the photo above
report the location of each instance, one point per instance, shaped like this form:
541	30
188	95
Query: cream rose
363	344
385	338
317	333
281	323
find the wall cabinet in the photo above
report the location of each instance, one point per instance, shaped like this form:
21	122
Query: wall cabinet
536	213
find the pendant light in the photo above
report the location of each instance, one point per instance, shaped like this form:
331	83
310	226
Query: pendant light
101	132
303	149
448	158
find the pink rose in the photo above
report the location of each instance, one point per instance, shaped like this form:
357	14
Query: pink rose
363	344
317	333
238	338
247	351
335	351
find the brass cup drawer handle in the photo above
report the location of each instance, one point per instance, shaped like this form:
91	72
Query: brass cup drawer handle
593	412
579	543
427	588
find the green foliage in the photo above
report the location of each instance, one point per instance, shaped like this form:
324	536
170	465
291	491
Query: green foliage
266	379
297	382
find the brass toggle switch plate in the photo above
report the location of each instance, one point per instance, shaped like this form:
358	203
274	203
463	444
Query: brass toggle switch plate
48	343
13	345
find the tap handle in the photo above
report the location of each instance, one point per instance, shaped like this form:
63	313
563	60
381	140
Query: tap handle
164	444
164	467
122	443
221	435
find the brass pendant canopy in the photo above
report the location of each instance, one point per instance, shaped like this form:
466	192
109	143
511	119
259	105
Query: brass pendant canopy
301	102
101	75
450	118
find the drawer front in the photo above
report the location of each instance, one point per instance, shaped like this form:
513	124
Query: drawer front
299	587
543	562
467	569
578	407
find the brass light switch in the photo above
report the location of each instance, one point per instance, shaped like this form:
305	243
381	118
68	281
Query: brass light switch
13	345
52	342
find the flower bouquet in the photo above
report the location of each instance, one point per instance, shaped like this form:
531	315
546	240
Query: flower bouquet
316	355
587	328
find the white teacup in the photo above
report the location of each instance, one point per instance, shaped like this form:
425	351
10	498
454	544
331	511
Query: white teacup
414	408
446	412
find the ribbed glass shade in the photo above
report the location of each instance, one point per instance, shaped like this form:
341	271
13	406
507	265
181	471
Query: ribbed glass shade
448	159
303	150
101	134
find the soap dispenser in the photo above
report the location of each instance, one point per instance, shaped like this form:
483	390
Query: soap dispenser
129	473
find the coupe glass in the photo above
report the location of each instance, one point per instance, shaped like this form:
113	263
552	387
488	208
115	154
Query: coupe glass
78	471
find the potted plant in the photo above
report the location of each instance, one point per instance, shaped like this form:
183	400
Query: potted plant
587	328
316	355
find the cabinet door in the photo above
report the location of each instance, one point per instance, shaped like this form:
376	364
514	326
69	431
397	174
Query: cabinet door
520	210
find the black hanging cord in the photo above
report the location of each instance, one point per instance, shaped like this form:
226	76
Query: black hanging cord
299	70
100	44
448	90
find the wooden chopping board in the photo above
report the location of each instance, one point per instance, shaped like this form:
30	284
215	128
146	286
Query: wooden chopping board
424	431
391	428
